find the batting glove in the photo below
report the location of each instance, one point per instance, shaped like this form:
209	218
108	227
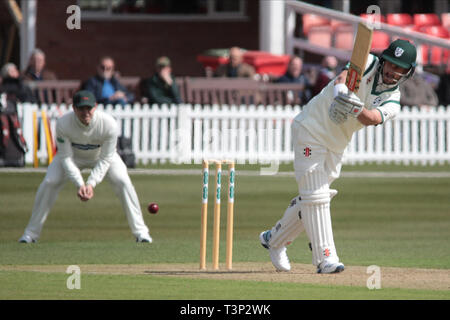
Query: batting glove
349	104
336	115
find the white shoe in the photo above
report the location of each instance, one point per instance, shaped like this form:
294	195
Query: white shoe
330	267
278	256
26	239
144	238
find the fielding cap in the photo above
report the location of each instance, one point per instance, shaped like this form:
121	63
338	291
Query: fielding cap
401	53
84	98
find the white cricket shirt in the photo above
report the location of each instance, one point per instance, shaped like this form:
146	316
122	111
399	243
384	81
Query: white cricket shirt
372	92
93	144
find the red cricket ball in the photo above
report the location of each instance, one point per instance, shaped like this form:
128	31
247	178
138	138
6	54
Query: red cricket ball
153	208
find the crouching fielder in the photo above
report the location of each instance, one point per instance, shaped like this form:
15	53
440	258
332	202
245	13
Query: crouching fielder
320	135
86	138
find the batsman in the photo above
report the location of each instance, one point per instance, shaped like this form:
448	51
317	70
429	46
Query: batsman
365	95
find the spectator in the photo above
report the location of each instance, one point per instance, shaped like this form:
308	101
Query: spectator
443	90
161	87
13	85
36	70
294	75
236	68
417	92
327	72
105	86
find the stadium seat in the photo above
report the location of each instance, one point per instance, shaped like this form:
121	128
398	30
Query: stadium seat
445	18
344	37
426	19
410	27
338	23
313	20
320	36
434	55
437	31
399	19
380	41
437	55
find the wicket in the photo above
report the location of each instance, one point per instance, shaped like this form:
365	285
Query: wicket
216	224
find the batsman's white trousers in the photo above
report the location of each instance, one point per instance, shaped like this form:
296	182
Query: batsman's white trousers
316	167
55	179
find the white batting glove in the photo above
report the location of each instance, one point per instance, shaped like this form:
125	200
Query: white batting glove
349	104
340	88
336	115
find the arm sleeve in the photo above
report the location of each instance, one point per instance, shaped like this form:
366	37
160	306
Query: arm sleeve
389	108
108	149
65	153
128	94
157	95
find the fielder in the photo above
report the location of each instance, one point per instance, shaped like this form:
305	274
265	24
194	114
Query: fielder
86	138
320	135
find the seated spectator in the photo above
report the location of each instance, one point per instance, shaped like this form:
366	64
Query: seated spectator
161	87
417	92
326	73
105	86
13	85
235	68
443	90
294	75
36	70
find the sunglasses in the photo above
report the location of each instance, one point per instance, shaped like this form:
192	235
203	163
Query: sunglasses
103	67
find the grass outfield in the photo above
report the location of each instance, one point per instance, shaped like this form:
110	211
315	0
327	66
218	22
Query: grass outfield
379	221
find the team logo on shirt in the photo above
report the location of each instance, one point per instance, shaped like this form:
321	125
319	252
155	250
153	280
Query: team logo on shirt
377	101
307	152
85	146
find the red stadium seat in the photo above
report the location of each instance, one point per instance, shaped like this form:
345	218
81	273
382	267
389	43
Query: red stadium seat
399	19
313	20
445	18
437	55
344	37
434	55
408	28
426	19
437	31
380	41
320	36
339	23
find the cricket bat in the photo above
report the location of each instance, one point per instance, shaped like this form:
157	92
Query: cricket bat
361	50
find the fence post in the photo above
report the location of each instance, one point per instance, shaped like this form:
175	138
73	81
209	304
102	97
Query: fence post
290	29
183	135
27	128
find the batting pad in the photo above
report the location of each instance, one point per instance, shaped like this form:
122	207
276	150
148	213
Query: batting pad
288	227
315	208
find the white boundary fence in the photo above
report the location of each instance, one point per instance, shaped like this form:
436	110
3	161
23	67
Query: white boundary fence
255	134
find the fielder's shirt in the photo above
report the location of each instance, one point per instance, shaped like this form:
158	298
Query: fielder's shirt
374	94
91	145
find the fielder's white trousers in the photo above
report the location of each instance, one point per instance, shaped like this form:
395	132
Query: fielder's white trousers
316	167
55	179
